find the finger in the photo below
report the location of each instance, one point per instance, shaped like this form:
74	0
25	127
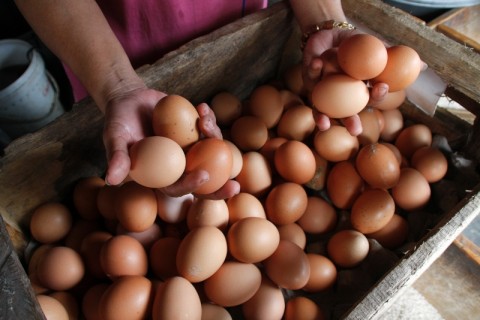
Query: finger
312	73
229	189
377	93
188	183
353	125
322	121
208	123
118	167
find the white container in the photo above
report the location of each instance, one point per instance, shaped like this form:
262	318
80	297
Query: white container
29	96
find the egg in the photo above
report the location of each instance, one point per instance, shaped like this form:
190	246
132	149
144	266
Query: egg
249	133
412	138
430	162
135	207
321	170
294	233
167	305
269	148
122	255
173	209
243	205
156	162
378	166
336	144
256	174
393	234
52	308
79	230
61	268
85	195
201	253
392	100
90	251
208	212
372	210
344	184
105	197
146	237
162	257
90	304
176	118
347	248
300	307
128	298
267	303
393	125
266	104
237	160
69	302
233	284
252	239
227	107
362	56
296	123
290	99
288	266
340	96
412	191
323	273
50	222
215	157
212	311
293	79
295	162
286	203
319	216
402	69
371	126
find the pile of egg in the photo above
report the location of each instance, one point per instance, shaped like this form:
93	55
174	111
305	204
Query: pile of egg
310	205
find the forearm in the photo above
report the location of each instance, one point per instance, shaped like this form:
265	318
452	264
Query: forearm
312	12
78	33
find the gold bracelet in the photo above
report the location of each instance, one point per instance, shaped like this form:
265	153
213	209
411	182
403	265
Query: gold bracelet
325	25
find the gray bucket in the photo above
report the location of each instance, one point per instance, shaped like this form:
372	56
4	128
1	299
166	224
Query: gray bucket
29	95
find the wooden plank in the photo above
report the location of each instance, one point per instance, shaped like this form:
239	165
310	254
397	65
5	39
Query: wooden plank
456	64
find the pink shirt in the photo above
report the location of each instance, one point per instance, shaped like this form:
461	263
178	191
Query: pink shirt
148	29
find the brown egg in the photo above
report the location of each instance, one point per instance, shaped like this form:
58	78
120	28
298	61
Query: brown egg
269	148
290	99
371	126
50	222
347	248
344	184
60	268
85	197
128	297
90	304
69	302
256	174
323	273
156	162
266	103
372	210
321	170
431	162
90	251
173	209
330	62
394	234
300	307
402	69
122	255
288	266
79	230
340	96
146	237
105	199
392	100
412	138
215	157
237	160
393	124
135	206
201	253
295	162
293	79
362	56
267	303
296	123
167	305
208	212
378	166
176	118
212	311
162	257
395	151
336	144
227	108
243	205
233	284
319	216
249	133
252	239
52	308
286	203
293	233
412	191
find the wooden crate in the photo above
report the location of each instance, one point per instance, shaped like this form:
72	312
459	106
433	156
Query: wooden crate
45	165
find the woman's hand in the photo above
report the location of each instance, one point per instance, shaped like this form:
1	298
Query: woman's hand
316	65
